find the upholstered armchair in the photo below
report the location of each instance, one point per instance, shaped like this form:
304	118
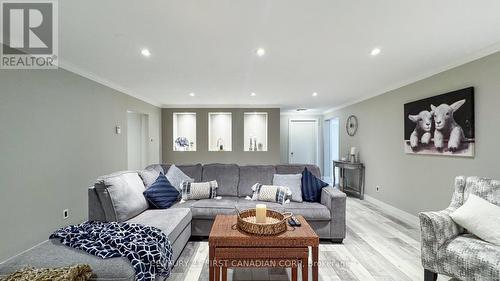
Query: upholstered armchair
449	249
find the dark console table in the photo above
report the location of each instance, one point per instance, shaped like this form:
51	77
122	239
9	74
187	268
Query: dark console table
352	178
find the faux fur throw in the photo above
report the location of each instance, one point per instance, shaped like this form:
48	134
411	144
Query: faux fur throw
146	247
79	272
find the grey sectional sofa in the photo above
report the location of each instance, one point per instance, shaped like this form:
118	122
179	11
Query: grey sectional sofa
191	218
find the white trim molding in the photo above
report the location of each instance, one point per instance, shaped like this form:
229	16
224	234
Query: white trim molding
25	251
94	77
467	59
391	210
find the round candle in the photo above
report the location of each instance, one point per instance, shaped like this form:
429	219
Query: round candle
260	213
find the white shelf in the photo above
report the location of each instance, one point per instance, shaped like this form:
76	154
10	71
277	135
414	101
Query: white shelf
184	127
219	131
255	127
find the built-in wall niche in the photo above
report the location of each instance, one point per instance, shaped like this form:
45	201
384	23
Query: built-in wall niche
255	131
220	131
184	131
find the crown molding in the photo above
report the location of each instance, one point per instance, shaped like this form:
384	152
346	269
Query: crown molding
219	106
94	77
494	48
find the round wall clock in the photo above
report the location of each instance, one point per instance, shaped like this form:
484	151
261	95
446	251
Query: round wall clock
351	125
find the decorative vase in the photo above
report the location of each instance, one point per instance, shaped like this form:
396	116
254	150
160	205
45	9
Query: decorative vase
220	144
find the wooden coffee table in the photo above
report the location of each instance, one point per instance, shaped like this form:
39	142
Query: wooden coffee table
230	247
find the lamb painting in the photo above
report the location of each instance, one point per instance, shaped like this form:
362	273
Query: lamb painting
441	125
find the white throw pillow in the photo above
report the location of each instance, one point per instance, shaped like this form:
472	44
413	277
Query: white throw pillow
271	193
199	190
293	182
480	218
176	177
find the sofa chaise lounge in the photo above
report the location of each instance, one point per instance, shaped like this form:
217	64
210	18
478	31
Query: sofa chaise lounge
191	218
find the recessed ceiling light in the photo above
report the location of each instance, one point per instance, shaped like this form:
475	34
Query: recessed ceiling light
146	52
375	51
260	52
253	94
314	94
301	109
192	94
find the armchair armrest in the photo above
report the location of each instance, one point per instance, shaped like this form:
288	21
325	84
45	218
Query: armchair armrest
335	201
436	229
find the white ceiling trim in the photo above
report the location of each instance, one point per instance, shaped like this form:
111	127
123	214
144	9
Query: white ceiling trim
91	76
475	56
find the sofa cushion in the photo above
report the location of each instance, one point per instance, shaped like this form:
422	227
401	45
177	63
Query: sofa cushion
171	221
121	195
209	208
192	171
226	175
310	211
161	194
470	258
53	254
252	174
297	169
244	204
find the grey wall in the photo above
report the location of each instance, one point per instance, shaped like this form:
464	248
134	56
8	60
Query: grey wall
57	135
237	155
413	182
284	139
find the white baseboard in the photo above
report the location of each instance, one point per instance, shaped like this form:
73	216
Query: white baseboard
1	262
400	214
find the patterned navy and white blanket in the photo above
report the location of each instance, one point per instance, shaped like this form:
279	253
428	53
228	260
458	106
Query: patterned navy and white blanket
147	248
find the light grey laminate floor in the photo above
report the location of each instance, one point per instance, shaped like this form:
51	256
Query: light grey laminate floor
378	246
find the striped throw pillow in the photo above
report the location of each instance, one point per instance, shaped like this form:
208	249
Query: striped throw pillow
199	190
161	194
271	193
311	187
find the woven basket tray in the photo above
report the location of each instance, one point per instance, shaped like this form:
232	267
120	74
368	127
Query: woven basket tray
275	222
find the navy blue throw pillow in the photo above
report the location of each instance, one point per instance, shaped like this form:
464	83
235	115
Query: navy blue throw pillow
311	187
161	194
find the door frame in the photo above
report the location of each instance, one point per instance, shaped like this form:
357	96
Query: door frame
147	143
316	133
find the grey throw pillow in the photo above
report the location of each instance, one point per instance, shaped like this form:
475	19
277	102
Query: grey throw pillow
176	177
149	176
293	182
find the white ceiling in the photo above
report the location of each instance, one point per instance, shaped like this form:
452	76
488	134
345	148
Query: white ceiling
208	47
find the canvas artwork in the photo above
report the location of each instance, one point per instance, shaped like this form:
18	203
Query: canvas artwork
441	125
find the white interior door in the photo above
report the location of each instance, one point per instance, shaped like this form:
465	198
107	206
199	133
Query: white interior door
137	140
303	141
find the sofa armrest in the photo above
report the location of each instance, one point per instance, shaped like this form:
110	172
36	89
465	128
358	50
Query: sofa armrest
335	201
436	229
